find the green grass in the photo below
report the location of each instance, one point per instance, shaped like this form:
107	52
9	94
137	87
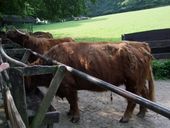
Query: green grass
110	27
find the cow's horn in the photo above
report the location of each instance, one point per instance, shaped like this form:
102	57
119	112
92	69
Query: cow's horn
22	33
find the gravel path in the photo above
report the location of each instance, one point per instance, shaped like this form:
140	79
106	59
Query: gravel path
98	111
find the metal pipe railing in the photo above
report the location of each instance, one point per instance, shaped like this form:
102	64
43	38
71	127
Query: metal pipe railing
9	58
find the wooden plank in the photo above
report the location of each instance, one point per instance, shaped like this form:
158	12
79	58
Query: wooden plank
33	101
18	93
10	45
41	94
36	70
25	56
16	51
159	43
54	85
162	56
14	116
160	50
49	118
159	34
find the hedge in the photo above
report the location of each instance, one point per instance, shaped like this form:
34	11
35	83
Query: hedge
161	69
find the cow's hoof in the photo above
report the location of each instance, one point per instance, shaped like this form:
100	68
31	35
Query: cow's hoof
141	114
75	119
69	113
124	120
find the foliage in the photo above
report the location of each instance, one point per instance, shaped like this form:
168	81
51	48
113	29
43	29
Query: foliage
46	9
57	10
12	6
102	7
161	69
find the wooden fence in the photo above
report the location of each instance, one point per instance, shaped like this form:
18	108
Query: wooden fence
17	72
11	110
159	41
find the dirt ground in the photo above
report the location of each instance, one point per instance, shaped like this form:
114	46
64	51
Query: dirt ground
98	111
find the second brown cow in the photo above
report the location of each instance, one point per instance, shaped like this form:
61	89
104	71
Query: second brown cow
39	44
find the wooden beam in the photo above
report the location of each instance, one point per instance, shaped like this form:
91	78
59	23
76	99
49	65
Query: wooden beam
10	45
25	56
13	114
54	85
50	117
15	51
159	43
162	56
18	93
36	70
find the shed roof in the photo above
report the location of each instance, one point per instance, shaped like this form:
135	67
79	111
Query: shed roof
11	19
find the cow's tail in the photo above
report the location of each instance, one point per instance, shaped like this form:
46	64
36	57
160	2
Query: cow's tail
151	85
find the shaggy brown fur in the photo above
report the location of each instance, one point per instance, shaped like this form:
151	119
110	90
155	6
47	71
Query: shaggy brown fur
145	49
42	35
40	45
121	63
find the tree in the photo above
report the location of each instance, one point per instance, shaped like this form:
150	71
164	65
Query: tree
47	9
12	7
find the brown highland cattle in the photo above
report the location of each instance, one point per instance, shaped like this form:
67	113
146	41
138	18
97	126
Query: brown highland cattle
125	63
37	44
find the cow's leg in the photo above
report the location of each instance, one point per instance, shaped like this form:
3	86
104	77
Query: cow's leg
143	109
130	107
74	109
128	113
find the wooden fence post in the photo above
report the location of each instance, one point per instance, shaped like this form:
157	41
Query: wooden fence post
14	116
54	85
18	93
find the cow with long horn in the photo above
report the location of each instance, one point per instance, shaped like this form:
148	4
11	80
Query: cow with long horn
37	44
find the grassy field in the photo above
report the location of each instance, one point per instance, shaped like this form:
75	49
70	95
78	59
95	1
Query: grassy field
110	27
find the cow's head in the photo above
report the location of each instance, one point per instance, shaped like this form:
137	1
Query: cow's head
17	36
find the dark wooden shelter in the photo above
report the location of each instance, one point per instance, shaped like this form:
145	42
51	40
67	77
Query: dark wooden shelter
14	21
158	39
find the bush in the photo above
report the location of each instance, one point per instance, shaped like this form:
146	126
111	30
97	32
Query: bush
161	69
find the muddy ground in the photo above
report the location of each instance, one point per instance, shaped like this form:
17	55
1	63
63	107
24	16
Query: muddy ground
98	111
